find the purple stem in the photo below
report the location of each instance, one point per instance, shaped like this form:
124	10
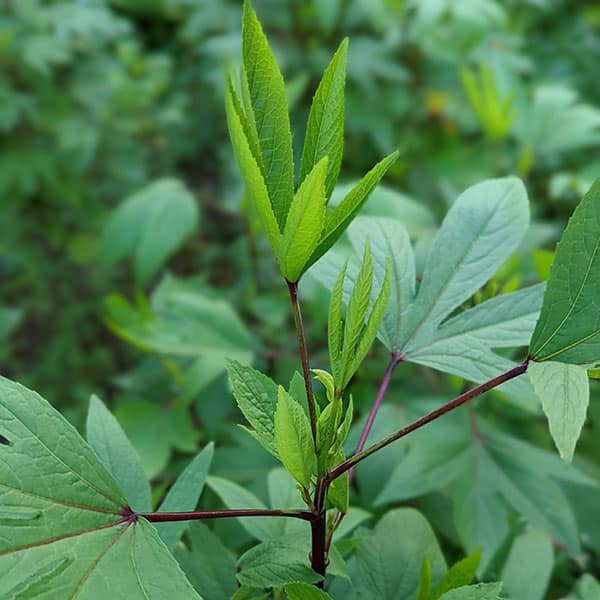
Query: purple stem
167	517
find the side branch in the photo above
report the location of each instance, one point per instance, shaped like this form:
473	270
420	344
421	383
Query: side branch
167	517
293	289
432	416
385	382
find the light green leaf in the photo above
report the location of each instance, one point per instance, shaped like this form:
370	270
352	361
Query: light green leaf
107	438
339	219
150	225
339	490
208	564
459	574
390	558
293	438
305	221
569	325
587	588
334	325
256	397
479	591
389	242
276	562
81	543
270	108
424	589
304	591
528	568
325	126
235	496
251	172
564	392
184	495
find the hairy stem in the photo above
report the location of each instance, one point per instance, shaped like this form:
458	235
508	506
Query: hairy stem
432	416
165	517
383	386
293	289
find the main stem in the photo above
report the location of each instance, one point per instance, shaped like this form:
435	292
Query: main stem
435	414
318	531
293	289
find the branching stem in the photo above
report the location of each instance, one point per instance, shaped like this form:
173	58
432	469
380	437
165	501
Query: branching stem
167	517
293	289
432	416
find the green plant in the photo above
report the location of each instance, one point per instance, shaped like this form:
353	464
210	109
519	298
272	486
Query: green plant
76	518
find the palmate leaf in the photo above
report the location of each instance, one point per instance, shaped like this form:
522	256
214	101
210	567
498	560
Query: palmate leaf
487	476
481	230
72	538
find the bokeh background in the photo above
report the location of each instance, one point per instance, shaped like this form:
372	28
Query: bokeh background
131	264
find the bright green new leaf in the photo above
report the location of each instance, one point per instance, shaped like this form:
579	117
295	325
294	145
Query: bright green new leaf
107	438
270	109
479	591
339	490
184	495
150	225
390	558
256	397
304	591
459	574
251	172
335	324
568	329
327	426
76	538
564	392
343	214
529	565
276	562
424	589
293	438
305	221
325	126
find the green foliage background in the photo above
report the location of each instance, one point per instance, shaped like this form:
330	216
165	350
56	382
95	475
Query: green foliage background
131	264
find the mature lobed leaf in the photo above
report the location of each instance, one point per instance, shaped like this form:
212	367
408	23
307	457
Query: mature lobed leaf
293	438
113	448
256	397
72	539
184	495
485	477
343	214
389	559
481	230
569	325
325	125
305	221
564	392
270	109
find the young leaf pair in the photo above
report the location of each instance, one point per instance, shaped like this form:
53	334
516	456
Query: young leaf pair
295	222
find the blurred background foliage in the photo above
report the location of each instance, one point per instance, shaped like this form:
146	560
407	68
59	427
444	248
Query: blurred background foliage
131	264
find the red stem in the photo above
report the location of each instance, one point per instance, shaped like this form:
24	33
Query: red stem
167	517
383	386
435	414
